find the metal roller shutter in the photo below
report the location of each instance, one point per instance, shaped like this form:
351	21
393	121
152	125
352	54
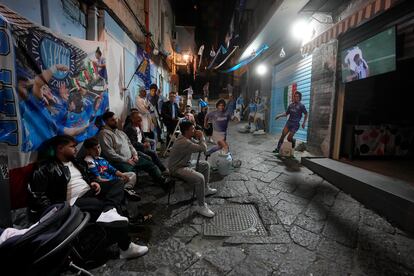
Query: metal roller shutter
294	70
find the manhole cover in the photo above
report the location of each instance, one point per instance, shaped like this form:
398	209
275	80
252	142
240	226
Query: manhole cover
235	220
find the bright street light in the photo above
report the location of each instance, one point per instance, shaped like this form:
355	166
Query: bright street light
261	69
186	57
302	30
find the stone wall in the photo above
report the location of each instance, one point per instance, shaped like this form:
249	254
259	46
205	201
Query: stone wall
322	98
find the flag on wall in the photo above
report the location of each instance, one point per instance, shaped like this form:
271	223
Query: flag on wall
144	71
289	92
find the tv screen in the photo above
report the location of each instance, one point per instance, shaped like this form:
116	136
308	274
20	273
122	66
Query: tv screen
373	56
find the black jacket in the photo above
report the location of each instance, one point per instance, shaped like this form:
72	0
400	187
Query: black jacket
166	112
131	132
49	182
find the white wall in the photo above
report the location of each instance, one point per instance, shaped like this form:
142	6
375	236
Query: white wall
118	33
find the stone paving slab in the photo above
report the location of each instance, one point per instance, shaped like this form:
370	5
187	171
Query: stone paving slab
310	227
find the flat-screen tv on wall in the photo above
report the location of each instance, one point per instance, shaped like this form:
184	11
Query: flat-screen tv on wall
373	56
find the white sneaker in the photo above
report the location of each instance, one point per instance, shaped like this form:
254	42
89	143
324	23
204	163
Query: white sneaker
210	191
112	218
205	211
133	251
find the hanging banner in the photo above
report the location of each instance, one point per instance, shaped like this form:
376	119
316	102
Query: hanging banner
140	72
50	85
228	56
115	57
246	61
144	69
221	50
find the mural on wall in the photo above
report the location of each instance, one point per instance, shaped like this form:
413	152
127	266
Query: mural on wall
288	93
50	85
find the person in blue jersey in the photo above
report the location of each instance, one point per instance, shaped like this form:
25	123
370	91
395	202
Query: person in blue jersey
231	106
78	114
220	120
60	105
102	171
252	108
35	103
239	107
37	122
259	117
294	111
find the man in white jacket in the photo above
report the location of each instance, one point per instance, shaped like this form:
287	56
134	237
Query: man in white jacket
143	106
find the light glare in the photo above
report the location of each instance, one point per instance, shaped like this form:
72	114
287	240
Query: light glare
261	69
301	29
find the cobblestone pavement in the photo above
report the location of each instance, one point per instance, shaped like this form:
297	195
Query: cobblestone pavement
312	227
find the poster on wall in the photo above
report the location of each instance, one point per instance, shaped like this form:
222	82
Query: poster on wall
50	85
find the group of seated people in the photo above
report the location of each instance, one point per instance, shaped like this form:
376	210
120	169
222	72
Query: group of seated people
100	182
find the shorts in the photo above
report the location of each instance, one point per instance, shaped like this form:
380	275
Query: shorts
292	126
251	116
217	136
259	116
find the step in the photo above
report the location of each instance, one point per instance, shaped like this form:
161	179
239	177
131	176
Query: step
390	197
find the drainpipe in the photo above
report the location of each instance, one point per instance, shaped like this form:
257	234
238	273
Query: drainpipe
147	35
92	26
44	10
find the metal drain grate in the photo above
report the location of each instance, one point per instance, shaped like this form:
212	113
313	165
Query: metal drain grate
235	220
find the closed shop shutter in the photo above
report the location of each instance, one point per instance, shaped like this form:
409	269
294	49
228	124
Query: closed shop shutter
296	71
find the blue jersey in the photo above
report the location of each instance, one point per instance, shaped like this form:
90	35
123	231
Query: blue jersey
260	107
100	167
59	110
231	106
252	108
240	100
